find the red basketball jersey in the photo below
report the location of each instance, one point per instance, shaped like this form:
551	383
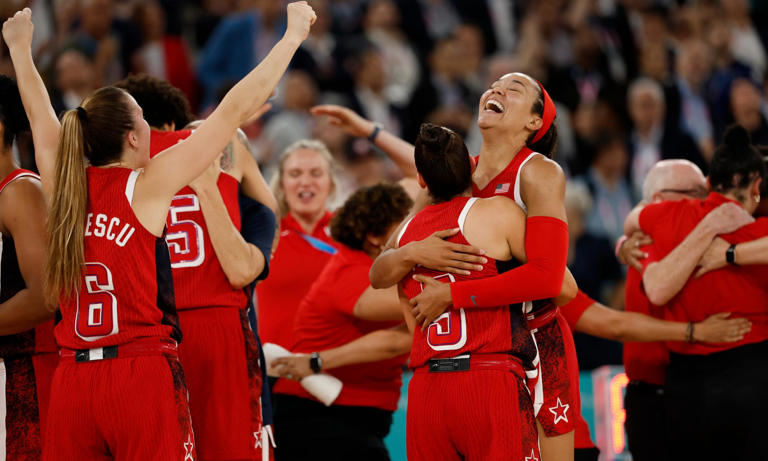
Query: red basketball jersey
126	290
198	279
460	331
40	338
507	183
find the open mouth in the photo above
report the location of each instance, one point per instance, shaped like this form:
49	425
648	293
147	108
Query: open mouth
494	106
306	195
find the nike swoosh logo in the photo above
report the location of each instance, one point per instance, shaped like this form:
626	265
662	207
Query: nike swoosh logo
472	298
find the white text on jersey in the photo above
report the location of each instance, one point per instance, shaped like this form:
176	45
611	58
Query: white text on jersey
104	226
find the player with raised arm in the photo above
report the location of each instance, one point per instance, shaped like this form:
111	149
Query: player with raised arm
494	418
119	391
28	353
211	263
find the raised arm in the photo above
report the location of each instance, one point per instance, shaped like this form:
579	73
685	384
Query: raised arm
17	32
253	184
23	217
375	346
174	168
400	151
663	279
241	261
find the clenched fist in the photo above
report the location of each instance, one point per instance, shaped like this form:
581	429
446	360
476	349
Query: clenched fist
300	17
17	30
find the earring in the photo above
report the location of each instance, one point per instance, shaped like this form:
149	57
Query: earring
757	198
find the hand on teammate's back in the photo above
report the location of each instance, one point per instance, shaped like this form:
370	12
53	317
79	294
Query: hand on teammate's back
630	253
434	299
301	16
718	328
18	30
436	253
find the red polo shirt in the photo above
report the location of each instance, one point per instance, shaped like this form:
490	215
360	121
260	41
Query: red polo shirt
297	262
742	290
326	320
643	361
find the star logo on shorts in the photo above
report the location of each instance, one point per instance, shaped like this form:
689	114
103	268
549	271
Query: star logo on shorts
532	457
257	436
560	411
189	445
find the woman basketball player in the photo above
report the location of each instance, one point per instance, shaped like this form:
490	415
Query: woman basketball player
28	356
519	138
119	391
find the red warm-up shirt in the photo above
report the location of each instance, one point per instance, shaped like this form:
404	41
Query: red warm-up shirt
741	290
325	319
643	361
297	262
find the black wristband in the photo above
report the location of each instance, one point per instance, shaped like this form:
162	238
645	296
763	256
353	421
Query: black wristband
315	362
730	255
689	333
375	133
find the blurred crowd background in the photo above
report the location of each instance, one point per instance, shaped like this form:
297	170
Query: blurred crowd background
635	81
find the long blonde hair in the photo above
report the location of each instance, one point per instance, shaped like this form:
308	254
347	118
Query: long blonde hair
94	131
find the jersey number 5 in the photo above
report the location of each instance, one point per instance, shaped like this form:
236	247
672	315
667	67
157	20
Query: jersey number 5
449	331
96	315
184	237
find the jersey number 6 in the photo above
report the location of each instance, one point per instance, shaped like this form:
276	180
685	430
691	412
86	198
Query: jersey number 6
449	331
96	315
184	237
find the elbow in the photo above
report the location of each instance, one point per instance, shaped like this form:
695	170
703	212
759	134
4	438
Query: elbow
401	344
657	296
375	279
242	278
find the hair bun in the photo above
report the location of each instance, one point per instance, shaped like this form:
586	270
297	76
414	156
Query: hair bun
736	136
432	134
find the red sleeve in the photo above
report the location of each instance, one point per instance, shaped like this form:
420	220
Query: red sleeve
650	216
350	285
546	245
574	309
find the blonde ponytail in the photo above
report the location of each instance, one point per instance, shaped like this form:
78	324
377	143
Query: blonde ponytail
66	215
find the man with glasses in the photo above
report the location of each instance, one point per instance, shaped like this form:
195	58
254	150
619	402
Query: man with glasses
646	358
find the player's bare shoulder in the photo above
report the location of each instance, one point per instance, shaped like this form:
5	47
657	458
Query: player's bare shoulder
22	196
489	222
542	172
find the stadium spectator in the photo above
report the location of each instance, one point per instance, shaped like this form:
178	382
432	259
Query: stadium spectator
651	140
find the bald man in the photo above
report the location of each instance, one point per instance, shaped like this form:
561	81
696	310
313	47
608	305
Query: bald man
646	362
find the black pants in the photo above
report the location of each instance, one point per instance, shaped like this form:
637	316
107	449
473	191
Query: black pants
586	454
646	435
716	405
308	430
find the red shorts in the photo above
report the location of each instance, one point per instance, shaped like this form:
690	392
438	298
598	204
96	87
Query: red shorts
123	408
25	383
221	363
473	414
556	393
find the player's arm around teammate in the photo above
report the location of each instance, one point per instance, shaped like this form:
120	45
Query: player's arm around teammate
601	321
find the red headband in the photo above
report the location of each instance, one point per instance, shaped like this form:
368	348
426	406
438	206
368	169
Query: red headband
547	116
